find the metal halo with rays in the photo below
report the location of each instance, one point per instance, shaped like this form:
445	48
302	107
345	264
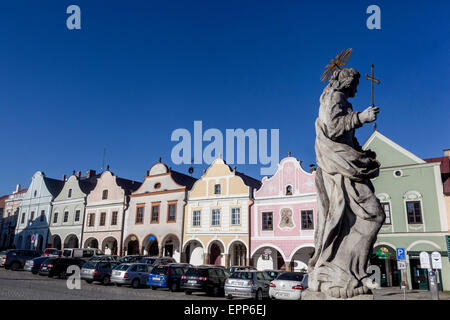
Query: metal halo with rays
337	63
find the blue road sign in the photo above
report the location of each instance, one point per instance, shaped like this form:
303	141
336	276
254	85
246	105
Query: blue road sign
401	254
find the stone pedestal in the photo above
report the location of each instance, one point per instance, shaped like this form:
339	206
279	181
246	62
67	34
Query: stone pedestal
313	295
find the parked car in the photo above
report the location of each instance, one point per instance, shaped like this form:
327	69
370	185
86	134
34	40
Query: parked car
3	255
240	268
34	265
16	258
134	274
153	261
104	258
167	276
55	266
248	284
288	286
131	259
98	271
209	279
82	253
274	273
52	252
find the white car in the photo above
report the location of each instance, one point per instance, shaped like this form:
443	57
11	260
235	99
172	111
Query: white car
288	286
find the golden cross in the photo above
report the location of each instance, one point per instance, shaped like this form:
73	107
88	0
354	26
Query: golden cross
372	79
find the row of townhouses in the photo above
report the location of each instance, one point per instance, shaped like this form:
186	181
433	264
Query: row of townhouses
228	218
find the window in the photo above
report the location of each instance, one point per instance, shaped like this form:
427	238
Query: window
139	214
66	216
387	211
70	193
172	214
157	185
235	216
91	220
35	193
77	215
23	218
155	214
215	221
307	220
414	212
196	218
55	217
105	195
114	218
102	218
32	216
289	190
267	221
217	189
42	215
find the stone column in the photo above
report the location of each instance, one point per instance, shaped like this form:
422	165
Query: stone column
183	257
206	258
227	260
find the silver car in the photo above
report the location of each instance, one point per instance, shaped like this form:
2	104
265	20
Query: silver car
248	284
289	286
134	274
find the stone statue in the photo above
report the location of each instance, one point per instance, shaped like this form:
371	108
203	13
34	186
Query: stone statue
349	214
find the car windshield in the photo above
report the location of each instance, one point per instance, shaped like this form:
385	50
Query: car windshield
89	265
291	276
122	267
159	270
51	251
193	272
242	275
147	260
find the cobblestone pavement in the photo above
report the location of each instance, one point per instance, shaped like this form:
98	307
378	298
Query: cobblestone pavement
24	285
397	294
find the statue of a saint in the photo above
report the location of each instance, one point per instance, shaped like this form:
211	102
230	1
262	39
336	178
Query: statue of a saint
349	213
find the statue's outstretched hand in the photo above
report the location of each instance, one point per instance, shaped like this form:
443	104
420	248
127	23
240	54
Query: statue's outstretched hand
369	115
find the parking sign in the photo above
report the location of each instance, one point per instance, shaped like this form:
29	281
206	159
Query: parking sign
401	254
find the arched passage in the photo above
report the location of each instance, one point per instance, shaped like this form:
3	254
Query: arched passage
238	254
268	258
91	243
56	242
109	246
150	246
171	246
216	252
300	259
71	241
384	256
193	251
131	245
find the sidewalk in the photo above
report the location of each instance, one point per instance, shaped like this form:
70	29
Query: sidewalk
397	294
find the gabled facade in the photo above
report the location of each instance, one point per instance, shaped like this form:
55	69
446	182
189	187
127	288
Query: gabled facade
411	193
217	217
283	219
154	219
68	209
104	214
10	214
34	212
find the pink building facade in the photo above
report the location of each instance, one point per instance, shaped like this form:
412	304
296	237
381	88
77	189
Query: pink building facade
283	219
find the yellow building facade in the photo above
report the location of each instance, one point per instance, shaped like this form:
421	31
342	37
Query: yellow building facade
216	219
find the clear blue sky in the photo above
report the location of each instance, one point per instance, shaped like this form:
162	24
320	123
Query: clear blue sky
140	69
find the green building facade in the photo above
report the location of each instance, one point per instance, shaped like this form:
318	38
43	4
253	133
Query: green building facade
411	193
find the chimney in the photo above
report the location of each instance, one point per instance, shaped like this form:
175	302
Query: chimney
63	177
79	174
447	153
90	173
148	173
17	188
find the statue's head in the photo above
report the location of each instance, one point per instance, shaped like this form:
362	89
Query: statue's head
345	80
